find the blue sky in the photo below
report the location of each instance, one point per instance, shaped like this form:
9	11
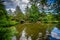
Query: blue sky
11	4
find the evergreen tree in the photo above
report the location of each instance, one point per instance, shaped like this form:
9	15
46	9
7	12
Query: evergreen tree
10	13
18	10
27	14
19	15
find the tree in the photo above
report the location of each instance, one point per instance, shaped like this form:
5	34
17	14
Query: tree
6	31
19	15
18	10
27	14
56	9
49	18
34	13
2	10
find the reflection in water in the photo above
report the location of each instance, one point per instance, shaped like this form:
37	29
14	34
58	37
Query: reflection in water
39	36
23	35
14	38
29	38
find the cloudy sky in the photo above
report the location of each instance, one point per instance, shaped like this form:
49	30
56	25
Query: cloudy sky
11	4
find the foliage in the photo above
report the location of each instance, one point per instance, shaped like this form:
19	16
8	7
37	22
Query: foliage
6	31
34	13
49	18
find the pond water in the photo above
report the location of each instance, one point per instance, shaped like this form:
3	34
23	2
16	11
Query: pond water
29	38
14	38
23	36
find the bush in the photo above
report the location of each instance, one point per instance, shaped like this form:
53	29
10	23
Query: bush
7	23
7	33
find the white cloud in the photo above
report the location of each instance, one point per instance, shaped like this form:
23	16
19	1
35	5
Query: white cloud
26	1
21	3
11	9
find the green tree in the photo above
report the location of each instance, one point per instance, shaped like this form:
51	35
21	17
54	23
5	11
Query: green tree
34	13
56	8
49	18
2	10
6	31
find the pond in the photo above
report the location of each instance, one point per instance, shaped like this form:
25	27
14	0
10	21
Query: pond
33	31
23	36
